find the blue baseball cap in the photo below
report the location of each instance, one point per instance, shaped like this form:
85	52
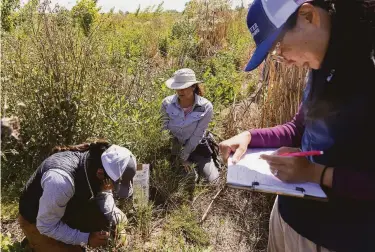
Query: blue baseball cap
265	20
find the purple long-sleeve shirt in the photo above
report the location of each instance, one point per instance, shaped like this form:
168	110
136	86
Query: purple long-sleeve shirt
346	183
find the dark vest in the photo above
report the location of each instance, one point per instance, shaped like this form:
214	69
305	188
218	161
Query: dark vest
81	211
346	136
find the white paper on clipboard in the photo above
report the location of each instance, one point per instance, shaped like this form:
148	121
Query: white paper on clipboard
253	172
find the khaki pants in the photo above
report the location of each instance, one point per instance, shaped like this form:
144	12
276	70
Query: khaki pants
42	243
283	238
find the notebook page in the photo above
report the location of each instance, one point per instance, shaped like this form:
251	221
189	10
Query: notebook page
253	169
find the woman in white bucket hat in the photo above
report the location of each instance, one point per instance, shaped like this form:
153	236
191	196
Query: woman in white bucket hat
186	115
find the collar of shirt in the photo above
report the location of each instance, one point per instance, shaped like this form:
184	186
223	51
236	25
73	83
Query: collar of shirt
197	101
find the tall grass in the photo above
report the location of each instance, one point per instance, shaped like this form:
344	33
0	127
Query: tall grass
282	92
273	100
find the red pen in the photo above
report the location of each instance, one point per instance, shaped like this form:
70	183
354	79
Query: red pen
302	154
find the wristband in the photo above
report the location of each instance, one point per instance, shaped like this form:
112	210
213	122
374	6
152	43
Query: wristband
322	175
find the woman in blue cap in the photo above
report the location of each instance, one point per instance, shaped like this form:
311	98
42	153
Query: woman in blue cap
336	41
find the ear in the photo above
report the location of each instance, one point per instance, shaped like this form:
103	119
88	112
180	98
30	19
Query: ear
309	14
100	174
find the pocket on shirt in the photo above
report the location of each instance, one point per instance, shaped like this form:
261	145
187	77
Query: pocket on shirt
195	116
174	118
200	109
173	114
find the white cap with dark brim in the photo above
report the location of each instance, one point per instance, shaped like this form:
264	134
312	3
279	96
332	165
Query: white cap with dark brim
115	160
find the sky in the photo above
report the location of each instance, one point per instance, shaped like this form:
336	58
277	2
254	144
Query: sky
132	5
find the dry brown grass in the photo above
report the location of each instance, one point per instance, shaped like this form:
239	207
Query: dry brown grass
283	93
274	101
212	26
238	219
212	20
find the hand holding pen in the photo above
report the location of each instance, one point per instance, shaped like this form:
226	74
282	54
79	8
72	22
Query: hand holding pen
291	165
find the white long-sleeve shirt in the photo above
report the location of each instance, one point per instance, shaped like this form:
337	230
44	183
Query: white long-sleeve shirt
58	189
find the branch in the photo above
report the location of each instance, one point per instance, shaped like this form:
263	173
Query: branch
209	206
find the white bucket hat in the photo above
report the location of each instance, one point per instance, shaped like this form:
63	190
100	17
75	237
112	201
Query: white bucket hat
182	78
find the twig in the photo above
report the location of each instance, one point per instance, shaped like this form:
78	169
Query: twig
209	206
195	198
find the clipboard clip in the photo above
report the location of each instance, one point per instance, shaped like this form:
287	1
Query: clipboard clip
300	189
254	184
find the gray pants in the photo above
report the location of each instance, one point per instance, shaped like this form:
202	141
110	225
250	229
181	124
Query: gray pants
205	166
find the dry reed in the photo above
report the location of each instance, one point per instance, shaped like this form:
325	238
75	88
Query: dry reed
283	87
275	100
212	20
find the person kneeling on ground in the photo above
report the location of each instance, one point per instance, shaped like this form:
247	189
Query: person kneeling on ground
68	202
187	115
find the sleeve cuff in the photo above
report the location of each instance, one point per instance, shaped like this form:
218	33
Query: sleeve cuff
104	193
184	157
184	154
83	239
256	138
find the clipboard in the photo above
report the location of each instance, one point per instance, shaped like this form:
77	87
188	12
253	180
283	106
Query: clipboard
252	173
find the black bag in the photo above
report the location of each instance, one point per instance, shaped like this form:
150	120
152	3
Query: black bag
215	150
203	148
208	147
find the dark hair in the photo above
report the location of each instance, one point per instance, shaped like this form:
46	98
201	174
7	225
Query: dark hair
353	25
79	147
95	149
199	90
98	145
